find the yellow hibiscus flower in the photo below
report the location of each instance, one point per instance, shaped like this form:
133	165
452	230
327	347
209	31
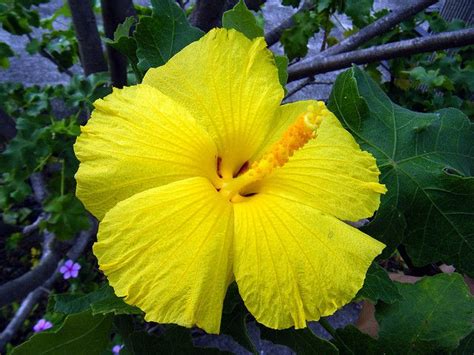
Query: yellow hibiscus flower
191	176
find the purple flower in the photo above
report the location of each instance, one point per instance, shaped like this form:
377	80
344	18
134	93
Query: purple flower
116	349
42	324
70	269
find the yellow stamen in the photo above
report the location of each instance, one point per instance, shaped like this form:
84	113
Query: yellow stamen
294	138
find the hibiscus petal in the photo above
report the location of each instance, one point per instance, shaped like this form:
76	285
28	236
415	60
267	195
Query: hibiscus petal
230	85
167	251
293	263
137	139
330	173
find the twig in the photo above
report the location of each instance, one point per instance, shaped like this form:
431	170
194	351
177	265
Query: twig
21	286
387	51
45	54
33	226
40	191
33	297
377	28
306	82
274	35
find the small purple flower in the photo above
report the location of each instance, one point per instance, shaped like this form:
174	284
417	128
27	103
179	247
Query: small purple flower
116	349
42	324
70	269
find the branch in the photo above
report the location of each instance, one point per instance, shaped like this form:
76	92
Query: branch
26	230
33	298
38	185
274	35
304	83
18	288
387	51
114	12
21	286
88	38
377	28
207	14
45	54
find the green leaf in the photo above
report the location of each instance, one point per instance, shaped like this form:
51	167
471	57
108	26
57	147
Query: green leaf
243	20
102	301
359	11
115	305
295	39
67	216
176	340
33	46
302	341
162	35
74	303
434	314
234	318
378	286
294	3
123	42
5	52
351	340
466	347
142	343
281	62
426	163
80	333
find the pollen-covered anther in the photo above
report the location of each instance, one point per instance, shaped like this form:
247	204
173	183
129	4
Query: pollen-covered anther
294	138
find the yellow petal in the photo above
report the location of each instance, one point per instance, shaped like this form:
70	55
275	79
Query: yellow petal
330	173
167	251
294	264
136	139
230	85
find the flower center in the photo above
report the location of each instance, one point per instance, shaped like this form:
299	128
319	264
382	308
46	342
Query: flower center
294	138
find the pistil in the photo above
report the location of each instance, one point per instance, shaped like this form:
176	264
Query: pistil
295	137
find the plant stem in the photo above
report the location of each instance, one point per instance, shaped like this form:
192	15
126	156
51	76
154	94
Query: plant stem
387	51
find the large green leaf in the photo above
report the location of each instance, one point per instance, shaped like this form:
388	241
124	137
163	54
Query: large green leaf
81	333
76	303
123	42
281	62
234	318
102	301
466	346
302	341
243	20
378	286
176	340
434	314
162	35
351	341
426	161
